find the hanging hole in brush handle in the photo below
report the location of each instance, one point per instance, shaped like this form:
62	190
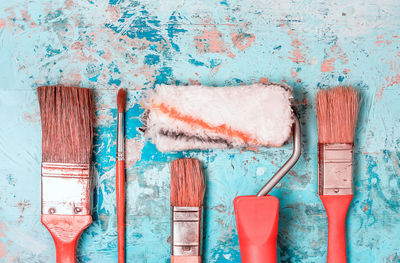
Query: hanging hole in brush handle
289	163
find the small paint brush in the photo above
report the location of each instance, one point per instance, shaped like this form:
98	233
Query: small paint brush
337	111
66	115
187	193
120	176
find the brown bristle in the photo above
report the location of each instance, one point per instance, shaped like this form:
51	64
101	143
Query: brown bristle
337	111
121	100
187	183
67	115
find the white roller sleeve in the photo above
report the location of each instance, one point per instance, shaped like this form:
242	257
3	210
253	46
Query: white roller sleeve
198	117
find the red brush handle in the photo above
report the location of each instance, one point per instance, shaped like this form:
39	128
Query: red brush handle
65	230
120	185
257	226
336	207
185	259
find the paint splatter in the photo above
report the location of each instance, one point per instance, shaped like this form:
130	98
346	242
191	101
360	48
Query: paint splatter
328	65
242	40
133	151
297	55
22	206
210	41
2	23
394	80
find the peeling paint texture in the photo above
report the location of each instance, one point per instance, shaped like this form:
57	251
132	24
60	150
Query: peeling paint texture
105	45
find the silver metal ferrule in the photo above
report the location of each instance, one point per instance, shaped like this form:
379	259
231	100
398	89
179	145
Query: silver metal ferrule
187	225
335	169
66	189
120	137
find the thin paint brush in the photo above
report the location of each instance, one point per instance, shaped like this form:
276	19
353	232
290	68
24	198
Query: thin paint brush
120	177
337	111
66	115
187	193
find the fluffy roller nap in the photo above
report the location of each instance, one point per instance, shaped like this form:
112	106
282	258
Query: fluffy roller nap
196	117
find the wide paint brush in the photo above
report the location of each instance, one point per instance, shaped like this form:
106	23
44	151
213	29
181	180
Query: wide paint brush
187	193
337	111
67	139
120	176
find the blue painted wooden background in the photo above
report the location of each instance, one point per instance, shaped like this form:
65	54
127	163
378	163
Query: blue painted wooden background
106	45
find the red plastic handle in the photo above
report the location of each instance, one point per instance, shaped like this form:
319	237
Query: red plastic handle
65	230
185	259
336	207
120	189
257	226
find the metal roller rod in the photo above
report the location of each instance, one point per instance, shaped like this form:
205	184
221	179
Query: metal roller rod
289	163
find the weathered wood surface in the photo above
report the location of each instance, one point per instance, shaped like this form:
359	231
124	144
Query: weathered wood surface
106	45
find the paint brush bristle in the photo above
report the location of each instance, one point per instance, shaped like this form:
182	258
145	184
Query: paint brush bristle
187	183
337	111
67	124
121	100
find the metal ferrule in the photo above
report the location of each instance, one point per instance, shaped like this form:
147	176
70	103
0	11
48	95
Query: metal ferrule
66	189
187	225
120	137
335	169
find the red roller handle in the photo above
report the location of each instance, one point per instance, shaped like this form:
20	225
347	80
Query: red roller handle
120	185
336	207
257	226
65	230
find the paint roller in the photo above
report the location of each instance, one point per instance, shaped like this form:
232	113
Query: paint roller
181	118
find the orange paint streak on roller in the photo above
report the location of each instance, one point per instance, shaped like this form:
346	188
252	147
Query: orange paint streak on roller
220	129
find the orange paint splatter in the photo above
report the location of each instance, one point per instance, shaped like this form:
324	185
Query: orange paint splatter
297	55
393	81
254	149
25	16
242	40
2	23
3	249
220	129
69	3
2	228
194	82
327	65
263	80
303	102
211	42
32	117
293	73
